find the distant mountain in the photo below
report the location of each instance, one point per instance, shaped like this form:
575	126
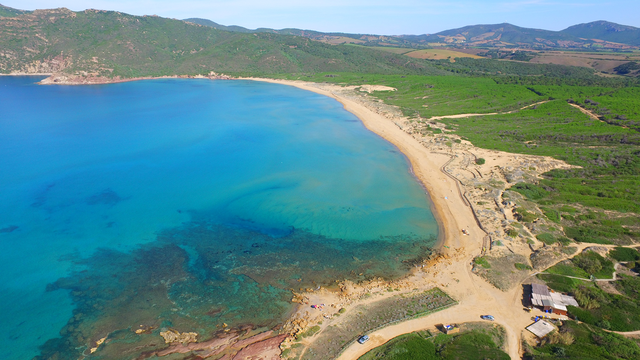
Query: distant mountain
604	30
498	35
329	38
215	25
510	36
6	11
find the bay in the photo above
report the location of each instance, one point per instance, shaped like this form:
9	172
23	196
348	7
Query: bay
187	204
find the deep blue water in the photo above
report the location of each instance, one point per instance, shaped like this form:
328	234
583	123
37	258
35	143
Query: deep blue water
186	203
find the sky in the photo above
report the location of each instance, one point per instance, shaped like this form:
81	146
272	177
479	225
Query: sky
384	17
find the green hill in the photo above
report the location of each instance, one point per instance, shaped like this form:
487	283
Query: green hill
594	35
6	11
605	30
107	43
507	35
215	25
331	37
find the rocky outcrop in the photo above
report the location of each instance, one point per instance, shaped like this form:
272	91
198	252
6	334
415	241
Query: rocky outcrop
172	336
89	79
268	349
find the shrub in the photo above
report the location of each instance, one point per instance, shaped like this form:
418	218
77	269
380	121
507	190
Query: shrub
551	214
588	264
594	264
547	238
480	161
589	298
531	191
482	262
625	254
525	216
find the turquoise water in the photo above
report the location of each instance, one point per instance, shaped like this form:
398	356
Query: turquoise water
186	204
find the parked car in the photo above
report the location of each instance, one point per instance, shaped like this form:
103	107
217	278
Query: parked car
487	317
363	339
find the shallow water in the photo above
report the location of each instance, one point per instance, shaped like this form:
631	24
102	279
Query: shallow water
186	204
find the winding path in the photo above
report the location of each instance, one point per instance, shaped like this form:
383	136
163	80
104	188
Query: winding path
458	116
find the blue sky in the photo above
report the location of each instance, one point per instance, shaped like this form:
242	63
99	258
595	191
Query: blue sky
389	17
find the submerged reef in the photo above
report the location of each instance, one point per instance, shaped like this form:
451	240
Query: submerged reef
208	278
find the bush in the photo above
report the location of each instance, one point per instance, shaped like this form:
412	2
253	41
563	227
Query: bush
594	264
404	347
625	254
551	214
525	216
531	191
588	264
480	161
547	238
482	262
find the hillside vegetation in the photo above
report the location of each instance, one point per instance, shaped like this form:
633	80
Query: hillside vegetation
10	12
605	30
105	43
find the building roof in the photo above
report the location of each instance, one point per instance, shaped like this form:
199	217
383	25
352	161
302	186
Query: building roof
559	307
541	328
562	299
539	289
540	296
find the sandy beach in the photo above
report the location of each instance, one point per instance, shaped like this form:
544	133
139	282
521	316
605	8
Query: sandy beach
452	269
451	212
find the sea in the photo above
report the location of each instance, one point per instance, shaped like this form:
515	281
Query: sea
187	204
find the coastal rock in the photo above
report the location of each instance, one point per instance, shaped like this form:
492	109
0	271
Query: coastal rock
172	336
268	349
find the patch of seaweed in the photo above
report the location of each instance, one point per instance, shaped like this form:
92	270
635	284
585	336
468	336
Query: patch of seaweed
204	277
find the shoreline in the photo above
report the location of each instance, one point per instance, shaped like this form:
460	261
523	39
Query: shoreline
417	156
62	79
444	171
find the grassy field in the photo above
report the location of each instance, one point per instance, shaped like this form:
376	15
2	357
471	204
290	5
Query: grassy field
584	265
581	341
391	49
477	343
439	54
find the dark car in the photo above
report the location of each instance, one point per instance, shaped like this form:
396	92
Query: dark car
487	317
